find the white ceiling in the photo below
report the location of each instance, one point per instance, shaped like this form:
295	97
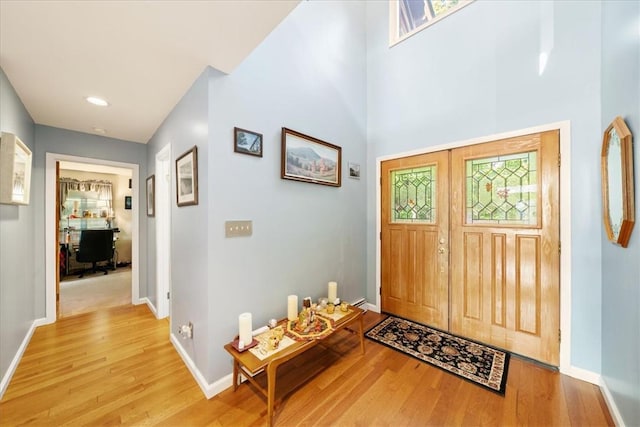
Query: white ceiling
141	56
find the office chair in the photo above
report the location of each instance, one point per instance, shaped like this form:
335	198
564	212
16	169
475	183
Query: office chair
95	246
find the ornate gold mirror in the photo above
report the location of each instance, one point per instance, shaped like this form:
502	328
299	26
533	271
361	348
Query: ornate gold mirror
617	182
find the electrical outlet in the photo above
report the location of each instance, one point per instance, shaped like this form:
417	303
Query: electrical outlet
238	228
186	331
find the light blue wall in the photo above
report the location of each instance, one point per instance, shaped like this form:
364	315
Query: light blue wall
185	127
475	74
17	278
621	267
308	75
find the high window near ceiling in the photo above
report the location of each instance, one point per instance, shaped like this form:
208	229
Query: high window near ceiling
407	17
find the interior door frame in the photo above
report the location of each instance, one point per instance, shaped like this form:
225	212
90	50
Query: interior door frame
564	127
51	227
163	232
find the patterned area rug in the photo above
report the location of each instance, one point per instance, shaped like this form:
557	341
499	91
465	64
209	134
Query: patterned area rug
472	361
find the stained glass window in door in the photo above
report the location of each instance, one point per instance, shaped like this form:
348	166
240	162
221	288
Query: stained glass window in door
502	190
413	195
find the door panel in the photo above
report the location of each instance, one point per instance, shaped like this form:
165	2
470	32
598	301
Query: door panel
505	244
414	238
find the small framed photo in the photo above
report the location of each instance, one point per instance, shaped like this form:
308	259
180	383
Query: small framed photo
151	202
187	178
127	202
247	142
354	170
308	159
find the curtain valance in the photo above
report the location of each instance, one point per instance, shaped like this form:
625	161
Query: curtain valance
104	189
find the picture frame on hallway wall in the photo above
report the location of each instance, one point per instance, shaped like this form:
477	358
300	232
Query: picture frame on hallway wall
309	159
15	170
187	178
247	142
151	197
354	170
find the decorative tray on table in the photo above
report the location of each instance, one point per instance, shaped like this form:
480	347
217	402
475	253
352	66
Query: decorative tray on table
319	328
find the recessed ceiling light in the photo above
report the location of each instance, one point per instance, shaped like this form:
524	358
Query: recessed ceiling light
99	130
96	101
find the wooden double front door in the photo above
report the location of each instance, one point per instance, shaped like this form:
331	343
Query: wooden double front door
470	242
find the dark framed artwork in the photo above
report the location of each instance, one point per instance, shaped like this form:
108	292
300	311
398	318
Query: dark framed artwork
354	170
151	195
247	142
187	178
127	202
309	159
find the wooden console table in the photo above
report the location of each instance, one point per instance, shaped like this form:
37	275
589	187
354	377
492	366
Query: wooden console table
249	365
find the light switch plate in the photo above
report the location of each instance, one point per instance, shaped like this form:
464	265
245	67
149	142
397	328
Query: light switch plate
238	228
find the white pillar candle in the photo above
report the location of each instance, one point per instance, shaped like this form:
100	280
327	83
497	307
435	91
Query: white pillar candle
292	307
244	326
333	291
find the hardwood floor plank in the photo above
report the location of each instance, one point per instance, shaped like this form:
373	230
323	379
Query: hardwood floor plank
116	366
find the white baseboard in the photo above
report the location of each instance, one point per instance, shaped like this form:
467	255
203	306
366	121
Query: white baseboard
371	307
597	379
358	302
6	379
611	404
582	374
209	390
147	301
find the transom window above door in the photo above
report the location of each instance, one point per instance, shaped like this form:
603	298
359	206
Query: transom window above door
407	17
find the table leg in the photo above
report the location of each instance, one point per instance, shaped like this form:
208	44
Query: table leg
236	368
271	391
361	335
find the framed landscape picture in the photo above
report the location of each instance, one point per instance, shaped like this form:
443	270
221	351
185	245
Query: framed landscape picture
308	159
187	178
151	185
247	142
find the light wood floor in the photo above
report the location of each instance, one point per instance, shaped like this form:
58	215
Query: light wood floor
116	366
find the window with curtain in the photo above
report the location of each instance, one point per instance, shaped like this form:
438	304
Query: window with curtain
98	193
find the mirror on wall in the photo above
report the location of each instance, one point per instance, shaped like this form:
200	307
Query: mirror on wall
617	182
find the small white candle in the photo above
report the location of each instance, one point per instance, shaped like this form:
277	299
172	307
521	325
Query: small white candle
244	326
333	291
292	307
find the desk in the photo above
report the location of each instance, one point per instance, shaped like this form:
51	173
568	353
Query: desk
249	365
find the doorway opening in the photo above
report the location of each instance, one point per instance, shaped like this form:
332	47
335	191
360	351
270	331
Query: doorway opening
52	236
92	199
